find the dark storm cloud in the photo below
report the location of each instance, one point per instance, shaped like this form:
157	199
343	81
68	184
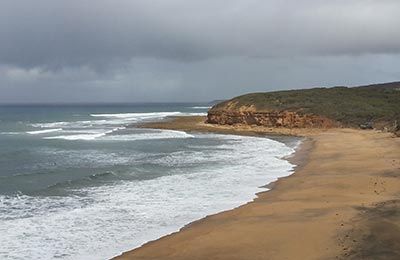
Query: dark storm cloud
183	50
53	33
145	79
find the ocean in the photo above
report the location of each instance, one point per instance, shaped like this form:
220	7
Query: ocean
81	182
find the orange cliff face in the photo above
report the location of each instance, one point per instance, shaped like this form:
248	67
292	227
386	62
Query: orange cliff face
268	118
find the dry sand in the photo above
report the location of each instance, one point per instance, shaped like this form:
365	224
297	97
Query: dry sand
341	203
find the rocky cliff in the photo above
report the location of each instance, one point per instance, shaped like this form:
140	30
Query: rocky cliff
269	119
313	108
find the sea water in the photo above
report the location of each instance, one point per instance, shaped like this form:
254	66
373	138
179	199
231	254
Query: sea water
81	182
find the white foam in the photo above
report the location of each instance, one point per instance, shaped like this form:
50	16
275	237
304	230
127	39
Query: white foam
137	115
104	136
194	114
86	137
94	129
151	135
74	124
10	133
83	131
200	107
115	218
44	131
90	135
48	125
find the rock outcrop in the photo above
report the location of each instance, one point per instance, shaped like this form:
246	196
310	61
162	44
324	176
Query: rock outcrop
313	107
268	119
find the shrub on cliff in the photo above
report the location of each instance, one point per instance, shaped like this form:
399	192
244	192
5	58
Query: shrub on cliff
350	106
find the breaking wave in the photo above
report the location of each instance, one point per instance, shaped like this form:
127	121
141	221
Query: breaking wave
44	131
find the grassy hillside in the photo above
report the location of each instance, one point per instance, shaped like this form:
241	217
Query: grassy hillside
350	106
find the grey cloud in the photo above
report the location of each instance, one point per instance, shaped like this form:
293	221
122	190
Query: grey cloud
148	79
191	50
55	34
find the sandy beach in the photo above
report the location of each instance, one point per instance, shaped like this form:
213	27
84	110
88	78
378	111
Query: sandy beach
341	203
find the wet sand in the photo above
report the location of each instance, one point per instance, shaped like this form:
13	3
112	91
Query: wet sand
341	203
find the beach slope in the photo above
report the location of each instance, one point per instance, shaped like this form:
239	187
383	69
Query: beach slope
341	203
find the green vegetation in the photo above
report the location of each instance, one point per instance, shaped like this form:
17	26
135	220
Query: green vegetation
350	106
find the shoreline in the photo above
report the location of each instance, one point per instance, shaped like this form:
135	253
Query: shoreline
338	228
292	158
197	124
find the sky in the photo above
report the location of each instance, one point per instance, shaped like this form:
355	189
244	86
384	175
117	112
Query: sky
62	51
